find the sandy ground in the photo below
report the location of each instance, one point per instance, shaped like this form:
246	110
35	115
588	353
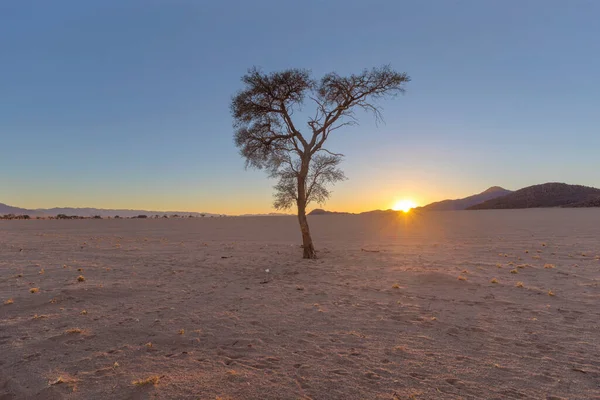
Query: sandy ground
185	300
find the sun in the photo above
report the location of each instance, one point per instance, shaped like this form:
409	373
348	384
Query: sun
404	205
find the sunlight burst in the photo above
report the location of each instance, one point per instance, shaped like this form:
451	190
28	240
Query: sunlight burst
404	205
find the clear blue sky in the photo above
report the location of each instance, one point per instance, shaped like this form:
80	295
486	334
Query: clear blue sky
126	103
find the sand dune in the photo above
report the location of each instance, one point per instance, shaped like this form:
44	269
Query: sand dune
381	315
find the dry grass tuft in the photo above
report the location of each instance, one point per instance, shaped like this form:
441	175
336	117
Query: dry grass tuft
462	278
549	266
514	271
40	316
53	301
148	345
543	244
74	331
499	265
396	286
83	312
9	301
34	290
80	278
550	293
80	269
413	395
494	280
151	380
181	331
536	257
41	271
57	381
519	284
357	334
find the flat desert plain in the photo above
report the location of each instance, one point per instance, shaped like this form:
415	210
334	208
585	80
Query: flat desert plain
454	305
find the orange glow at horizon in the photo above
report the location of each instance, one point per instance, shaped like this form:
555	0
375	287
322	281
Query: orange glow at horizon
404	205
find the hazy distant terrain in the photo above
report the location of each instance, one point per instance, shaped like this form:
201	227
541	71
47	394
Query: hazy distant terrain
5	209
444	205
91	212
538	196
381	315
320	211
545	195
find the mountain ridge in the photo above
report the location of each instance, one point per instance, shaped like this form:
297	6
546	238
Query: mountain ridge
466	202
545	195
6	209
551	194
91	212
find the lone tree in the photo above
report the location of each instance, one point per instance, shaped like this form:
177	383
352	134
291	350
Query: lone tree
269	139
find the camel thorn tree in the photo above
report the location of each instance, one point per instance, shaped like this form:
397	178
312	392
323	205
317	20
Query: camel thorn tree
268	137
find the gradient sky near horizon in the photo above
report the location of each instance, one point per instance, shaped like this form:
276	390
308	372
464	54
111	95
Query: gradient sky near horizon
125	103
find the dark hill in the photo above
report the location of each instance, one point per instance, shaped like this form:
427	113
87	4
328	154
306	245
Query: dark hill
595	202
463	204
544	195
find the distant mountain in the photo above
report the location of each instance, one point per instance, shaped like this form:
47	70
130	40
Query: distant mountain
463	204
545	195
273	214
6	209
90	212
319	211
385	212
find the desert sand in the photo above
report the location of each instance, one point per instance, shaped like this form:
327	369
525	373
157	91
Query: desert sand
382	314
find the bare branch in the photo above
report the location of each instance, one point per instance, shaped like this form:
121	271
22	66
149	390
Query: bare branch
330	153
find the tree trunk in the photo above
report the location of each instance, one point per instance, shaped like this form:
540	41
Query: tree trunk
307	244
